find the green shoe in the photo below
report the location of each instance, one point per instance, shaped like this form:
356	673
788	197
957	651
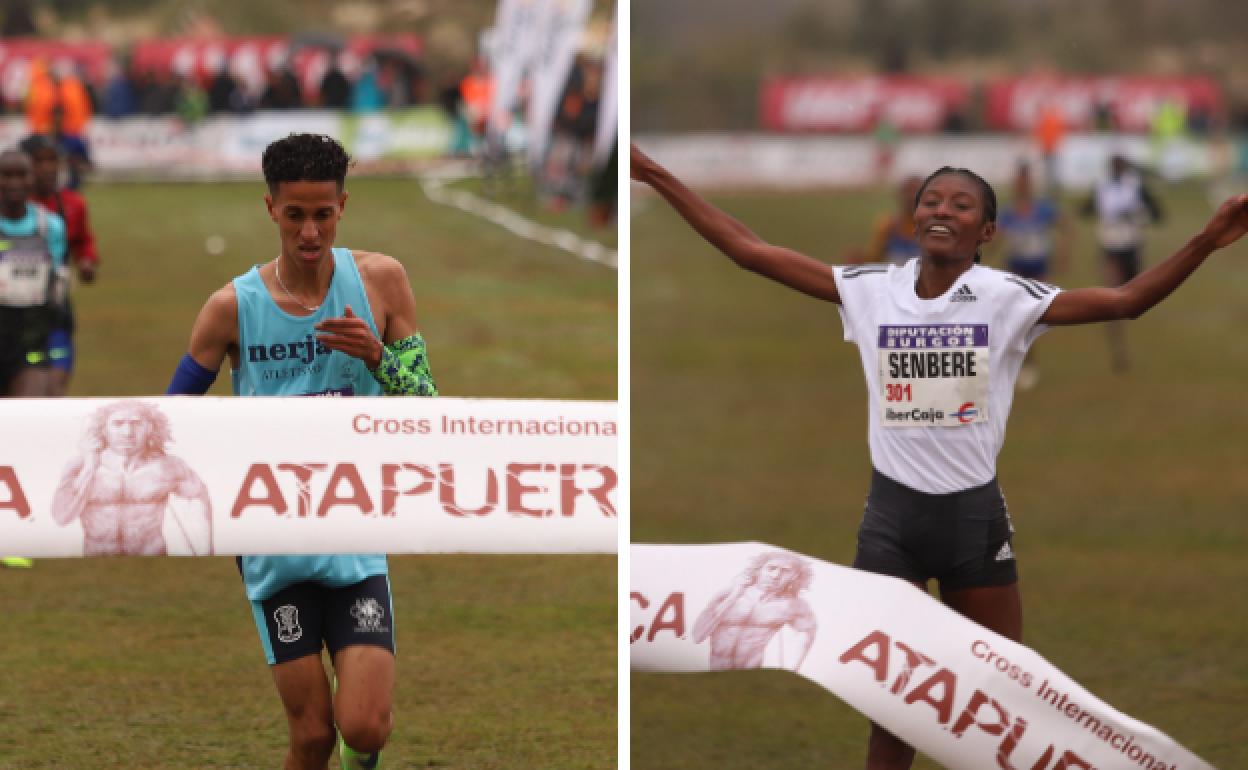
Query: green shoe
17	562
351	760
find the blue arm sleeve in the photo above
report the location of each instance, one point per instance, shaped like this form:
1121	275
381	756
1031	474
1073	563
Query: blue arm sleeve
190	379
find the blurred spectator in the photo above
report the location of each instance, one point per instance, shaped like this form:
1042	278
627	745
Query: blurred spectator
73	99
566	166
118	100
1200	121
954	123
57	104
366	95
1049	131
335	88
282	90
452	101
1168	129
475	92
224	94
886	137
41	98
192	102
1103	116
158	93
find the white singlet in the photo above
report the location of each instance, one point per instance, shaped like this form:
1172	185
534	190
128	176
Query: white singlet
940	372
1120	212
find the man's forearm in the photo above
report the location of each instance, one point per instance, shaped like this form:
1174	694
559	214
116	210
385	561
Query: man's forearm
404	368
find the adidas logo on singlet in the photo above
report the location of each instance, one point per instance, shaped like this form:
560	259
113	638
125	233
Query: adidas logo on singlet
1006	553
964	294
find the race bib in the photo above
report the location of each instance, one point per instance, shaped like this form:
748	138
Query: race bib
23	284
933	375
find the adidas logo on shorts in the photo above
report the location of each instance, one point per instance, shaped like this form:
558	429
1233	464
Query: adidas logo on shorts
964	294
1006	553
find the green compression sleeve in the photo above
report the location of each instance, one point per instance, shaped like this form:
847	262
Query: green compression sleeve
404	368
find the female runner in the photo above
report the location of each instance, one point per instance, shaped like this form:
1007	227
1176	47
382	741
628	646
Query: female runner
942	339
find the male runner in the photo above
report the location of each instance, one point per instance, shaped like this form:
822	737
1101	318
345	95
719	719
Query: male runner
359	309
45	156
1122	205
32	251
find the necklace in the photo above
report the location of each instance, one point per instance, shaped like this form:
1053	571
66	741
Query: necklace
277	268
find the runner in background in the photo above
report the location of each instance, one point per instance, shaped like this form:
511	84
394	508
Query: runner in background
1036	240
71	207
1122	205
30	285
892	236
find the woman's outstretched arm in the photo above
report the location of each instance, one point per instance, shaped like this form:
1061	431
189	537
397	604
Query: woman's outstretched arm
733	239
1134	298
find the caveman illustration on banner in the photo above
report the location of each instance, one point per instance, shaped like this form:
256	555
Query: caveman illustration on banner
763	600
129	494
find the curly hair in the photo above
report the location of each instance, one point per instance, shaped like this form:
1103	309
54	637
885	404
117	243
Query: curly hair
800	580
159	434
305	158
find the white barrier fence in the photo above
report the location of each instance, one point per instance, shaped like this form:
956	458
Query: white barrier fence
204	476
794	162
961	694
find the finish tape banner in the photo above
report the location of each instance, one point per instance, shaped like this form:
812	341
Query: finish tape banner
200	476
954	690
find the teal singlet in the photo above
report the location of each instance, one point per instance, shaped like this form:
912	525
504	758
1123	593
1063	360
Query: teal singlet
278	355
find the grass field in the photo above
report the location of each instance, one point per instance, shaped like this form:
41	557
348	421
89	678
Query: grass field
504	661
1128	492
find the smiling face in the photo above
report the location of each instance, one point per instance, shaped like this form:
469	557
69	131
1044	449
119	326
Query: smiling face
307	215
950	219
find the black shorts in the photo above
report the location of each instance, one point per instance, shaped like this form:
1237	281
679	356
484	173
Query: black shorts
1127	261
962	539
299	619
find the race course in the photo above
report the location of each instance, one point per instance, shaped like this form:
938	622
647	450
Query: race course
1127	491
504	661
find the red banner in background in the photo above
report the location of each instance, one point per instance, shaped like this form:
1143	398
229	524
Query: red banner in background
1013	104
855	104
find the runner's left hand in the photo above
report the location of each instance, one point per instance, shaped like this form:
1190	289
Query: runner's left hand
1229	223
350	334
